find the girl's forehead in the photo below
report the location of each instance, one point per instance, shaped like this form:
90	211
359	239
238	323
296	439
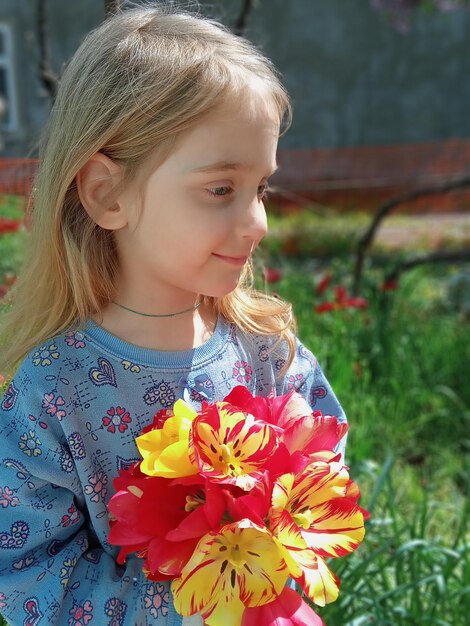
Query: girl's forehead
251	112
230	135
254	98
239	129
246	112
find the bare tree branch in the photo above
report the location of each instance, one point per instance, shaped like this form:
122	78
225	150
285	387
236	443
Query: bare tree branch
450	256
242	20
365	241
47	75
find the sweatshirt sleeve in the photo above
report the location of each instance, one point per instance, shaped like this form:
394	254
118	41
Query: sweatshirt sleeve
306	376
53	569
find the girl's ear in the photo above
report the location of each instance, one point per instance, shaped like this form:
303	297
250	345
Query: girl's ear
96	182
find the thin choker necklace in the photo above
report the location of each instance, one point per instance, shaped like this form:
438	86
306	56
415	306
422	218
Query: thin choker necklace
193	308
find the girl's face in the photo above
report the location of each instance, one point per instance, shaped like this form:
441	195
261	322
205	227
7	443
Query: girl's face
201	212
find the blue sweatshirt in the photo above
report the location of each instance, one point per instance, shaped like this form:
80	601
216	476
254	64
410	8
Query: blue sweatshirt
68	423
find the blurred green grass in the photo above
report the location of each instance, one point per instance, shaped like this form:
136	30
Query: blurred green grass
11	244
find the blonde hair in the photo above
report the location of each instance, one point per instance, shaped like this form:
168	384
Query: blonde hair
136	82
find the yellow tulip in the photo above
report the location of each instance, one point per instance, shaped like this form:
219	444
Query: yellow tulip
165	451
241	565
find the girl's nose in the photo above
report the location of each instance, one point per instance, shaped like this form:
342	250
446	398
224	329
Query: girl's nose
254	224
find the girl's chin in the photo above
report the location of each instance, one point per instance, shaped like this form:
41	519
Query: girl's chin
221	293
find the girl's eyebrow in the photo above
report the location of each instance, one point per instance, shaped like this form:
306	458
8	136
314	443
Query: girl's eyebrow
224	166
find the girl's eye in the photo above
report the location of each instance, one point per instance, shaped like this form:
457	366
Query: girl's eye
220	191
224	191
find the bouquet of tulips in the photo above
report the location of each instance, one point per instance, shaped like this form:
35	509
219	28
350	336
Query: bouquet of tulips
232	501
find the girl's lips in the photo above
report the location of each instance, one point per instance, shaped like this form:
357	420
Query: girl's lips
232	260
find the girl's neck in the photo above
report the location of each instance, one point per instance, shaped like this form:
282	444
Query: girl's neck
166	334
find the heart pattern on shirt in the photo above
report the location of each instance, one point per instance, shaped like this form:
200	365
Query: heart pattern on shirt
317	393
16	537
9	398
103	374
33	614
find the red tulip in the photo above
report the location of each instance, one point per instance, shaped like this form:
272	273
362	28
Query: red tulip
9	279
146	514
288	609
298	428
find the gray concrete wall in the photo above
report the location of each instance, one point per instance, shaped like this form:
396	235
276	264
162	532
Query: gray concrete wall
354	80
67	22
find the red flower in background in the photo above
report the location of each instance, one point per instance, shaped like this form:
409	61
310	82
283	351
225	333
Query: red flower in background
389	285
323	283
8	281
272	275
341	301
8	225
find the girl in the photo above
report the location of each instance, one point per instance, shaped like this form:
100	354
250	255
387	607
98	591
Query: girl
147	209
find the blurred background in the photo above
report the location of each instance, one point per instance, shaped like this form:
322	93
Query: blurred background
369	239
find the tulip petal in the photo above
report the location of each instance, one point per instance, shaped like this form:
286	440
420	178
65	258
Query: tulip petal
288	609
227	614
173	462
290	541
314	432
165	451
256	405
169	557
203	519
337	528
184	410
281	492
252	505
319	483
318	582
241	562
230	446
288	409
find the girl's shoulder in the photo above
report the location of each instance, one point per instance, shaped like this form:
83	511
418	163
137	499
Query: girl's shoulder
275	349
277	364
49	364
43	383
53	351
